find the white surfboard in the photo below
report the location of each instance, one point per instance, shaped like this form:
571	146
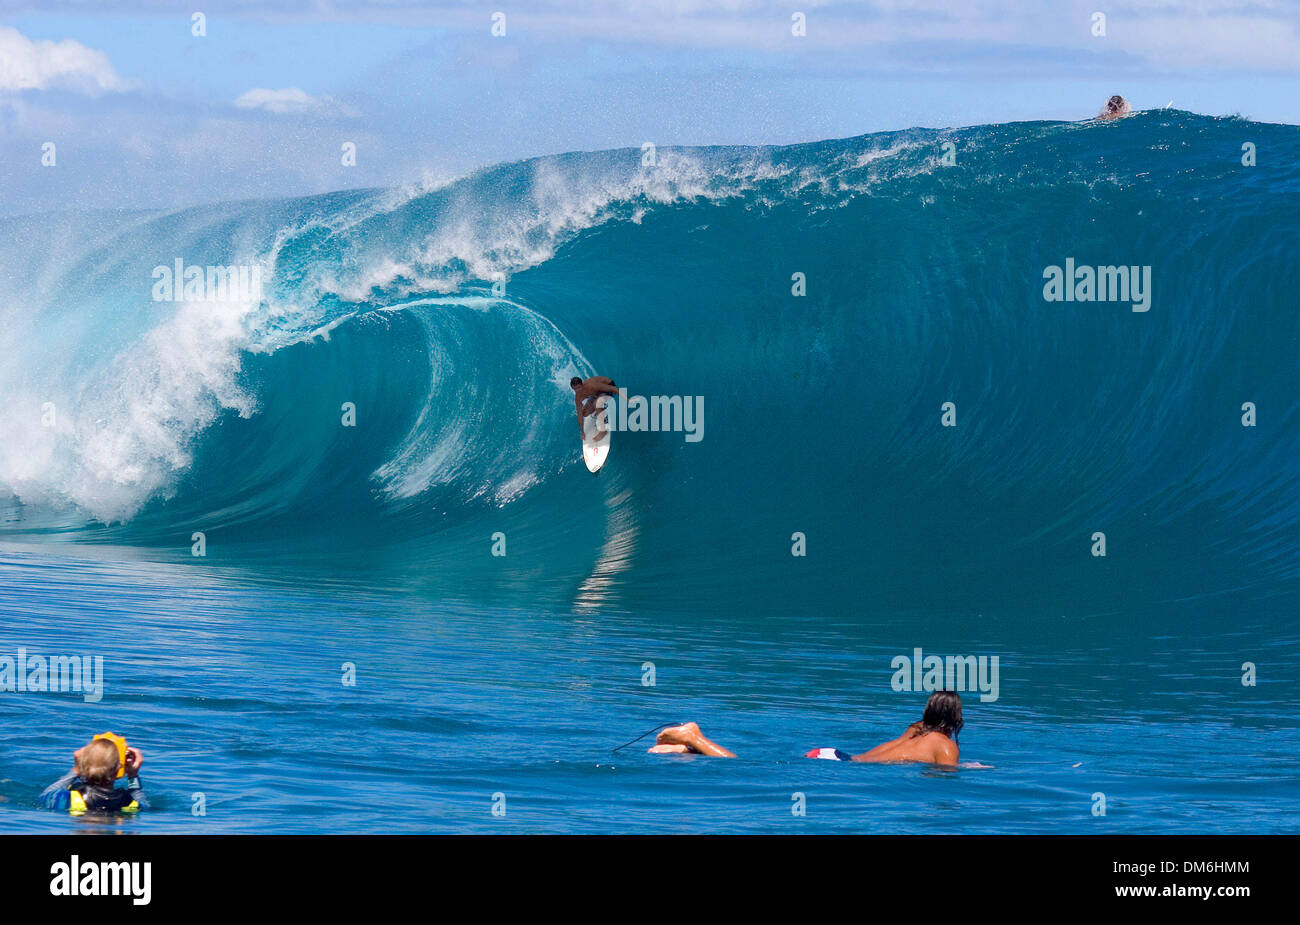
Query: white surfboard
594	452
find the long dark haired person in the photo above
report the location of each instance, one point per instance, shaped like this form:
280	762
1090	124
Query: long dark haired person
930	740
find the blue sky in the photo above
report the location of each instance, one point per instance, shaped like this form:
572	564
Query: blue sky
144	114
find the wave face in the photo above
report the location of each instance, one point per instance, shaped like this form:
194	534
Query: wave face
822	412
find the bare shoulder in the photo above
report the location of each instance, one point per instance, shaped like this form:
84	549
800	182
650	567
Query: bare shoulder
945	749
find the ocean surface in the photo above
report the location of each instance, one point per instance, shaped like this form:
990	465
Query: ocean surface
349	654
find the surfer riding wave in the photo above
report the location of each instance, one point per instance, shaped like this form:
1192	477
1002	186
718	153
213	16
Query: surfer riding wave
586	394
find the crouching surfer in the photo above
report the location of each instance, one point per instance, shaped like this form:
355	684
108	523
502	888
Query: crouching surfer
91	785
930	740
586	393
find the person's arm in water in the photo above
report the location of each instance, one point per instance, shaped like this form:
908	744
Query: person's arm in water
55	796
687	739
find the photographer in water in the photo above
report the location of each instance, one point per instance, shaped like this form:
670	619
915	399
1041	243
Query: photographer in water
91	785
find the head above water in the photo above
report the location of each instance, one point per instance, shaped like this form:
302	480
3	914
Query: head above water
1115	107
575	382
98	763
942	714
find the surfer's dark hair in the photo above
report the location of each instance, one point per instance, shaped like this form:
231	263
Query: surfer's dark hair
1115	104
575	382
942	714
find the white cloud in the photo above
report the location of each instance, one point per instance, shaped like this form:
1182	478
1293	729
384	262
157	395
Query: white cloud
43	65
1245	35
289	100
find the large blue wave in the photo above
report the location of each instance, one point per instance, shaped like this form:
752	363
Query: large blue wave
924	285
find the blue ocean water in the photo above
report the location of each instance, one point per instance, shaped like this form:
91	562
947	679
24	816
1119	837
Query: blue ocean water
451	318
